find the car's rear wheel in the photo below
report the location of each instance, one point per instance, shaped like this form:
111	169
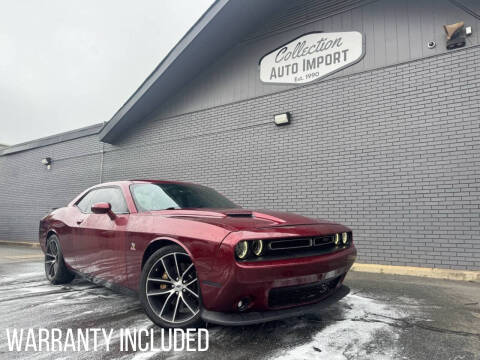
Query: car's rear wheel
55	268
169	289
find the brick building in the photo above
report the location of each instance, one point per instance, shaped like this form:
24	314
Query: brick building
387	144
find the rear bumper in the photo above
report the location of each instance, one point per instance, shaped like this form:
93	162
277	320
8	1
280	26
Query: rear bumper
250	318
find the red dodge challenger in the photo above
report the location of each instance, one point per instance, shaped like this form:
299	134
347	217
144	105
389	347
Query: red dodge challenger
191	254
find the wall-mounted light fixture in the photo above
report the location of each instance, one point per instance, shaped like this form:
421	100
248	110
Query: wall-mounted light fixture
282	119
47	162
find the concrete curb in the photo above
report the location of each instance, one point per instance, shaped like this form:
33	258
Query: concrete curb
435	273
20	243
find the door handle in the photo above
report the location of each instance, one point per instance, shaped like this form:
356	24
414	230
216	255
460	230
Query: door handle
79	221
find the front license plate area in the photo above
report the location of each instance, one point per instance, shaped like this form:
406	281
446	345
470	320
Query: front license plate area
334	273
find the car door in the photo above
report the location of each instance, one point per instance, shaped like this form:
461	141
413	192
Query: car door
100	239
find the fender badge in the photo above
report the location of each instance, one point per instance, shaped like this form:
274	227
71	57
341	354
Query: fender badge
132	246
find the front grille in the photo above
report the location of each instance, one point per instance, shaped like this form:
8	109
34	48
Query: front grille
300	294
289	244
324	241
277	249
297	243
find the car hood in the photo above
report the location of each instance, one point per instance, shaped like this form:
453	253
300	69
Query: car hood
242	219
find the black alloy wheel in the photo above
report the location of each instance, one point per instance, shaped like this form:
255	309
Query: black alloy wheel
169	289
55	268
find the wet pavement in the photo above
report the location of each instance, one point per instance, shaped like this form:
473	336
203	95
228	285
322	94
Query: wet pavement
384	317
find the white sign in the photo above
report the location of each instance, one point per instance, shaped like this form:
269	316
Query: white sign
311	57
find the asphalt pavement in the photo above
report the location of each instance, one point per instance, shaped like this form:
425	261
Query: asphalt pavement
384	317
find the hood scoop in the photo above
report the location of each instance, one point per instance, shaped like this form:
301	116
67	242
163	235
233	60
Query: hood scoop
239	215
241	218
254	214
263	216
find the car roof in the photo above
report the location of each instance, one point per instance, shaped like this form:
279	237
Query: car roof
141	181
159	181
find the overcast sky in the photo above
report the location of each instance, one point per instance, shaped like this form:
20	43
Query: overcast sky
66	64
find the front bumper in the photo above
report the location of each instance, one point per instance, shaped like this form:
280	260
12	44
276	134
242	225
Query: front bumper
230	281
256	317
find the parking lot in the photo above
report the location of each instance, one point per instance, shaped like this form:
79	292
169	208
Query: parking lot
384	317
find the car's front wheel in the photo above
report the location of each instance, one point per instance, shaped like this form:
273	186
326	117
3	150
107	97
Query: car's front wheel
169	289
55	268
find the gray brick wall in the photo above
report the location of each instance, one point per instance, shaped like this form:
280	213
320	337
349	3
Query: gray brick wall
394	32
28	190
393	153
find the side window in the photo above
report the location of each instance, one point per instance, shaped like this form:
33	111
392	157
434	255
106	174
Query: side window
113	196
86	202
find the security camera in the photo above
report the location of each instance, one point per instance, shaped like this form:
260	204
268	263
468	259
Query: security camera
456	35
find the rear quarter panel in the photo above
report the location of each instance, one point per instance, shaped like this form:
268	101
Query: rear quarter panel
61	223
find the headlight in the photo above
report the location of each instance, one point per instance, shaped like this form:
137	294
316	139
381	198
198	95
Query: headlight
337	239
344	238
257	247
241	249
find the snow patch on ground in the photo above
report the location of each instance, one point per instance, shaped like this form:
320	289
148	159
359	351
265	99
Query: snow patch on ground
363	331
7	279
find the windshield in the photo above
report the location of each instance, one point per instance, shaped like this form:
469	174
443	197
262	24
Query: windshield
150	197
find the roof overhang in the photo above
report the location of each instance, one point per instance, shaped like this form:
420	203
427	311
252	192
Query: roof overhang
53	139
220	28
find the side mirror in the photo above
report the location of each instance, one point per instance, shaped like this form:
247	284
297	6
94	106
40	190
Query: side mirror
101	208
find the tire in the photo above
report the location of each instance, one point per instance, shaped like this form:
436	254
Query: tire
55	268
169	289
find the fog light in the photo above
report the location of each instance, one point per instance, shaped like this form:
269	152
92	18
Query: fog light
257	247
344	238
241	249
337	239
243	304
